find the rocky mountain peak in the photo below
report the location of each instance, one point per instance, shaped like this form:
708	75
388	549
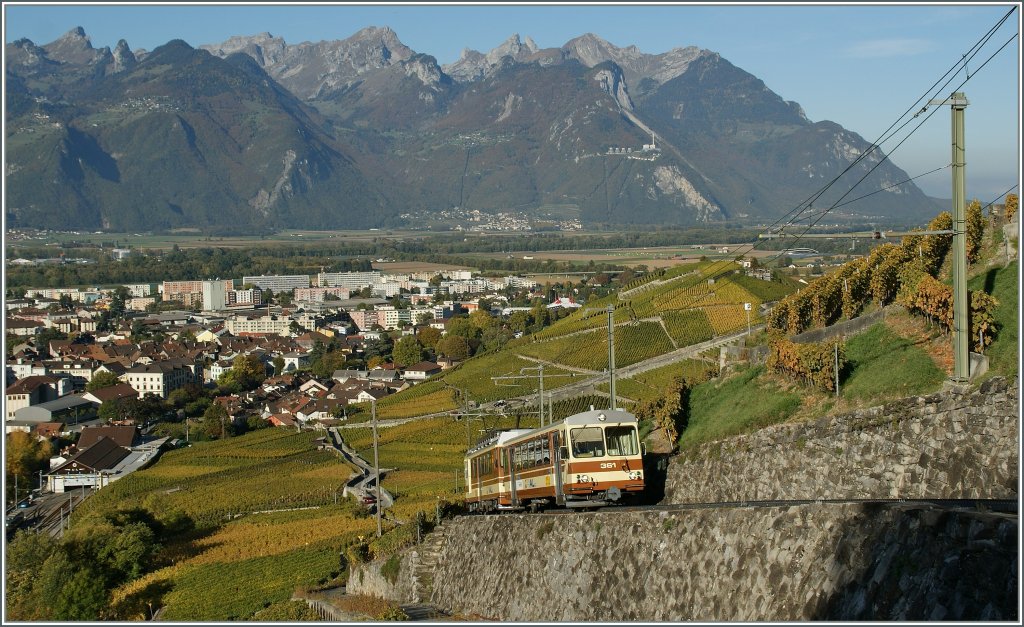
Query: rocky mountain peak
512	47
425	69
473	65
123	57
73	47
591	50
24	53
264	48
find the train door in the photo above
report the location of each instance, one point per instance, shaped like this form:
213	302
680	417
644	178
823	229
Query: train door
507	460
558	465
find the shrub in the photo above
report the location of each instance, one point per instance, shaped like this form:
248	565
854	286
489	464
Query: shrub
391	567
814	364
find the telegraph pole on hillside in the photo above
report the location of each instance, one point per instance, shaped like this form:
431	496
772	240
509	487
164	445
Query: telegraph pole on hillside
961	327
611	356
376	463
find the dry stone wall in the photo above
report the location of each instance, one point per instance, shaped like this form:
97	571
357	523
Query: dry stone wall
945	445
806	562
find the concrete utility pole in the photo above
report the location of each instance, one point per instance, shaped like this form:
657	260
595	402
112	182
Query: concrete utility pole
611	356
961	329
376	463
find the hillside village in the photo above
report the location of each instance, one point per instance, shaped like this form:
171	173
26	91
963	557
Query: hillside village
103	361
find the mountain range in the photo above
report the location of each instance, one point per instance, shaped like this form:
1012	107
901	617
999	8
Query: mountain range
255	134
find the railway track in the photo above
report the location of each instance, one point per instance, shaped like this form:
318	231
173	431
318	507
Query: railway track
1000	506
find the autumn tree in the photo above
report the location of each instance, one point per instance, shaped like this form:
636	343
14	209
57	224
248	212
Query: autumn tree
216	422
461	326
428	336
520	321
100	380
668	411
975	230
24	456
407	351
454	347
247	372
1011	206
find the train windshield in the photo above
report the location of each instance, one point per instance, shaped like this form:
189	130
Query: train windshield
587	442
622	440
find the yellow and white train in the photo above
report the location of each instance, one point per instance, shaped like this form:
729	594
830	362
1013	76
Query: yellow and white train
590	459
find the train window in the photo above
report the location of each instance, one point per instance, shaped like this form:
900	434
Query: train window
621	440
587	442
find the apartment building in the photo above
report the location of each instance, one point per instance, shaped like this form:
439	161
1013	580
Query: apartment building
351	280
278	282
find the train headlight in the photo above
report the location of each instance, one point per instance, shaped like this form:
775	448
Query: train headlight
635	475
583	478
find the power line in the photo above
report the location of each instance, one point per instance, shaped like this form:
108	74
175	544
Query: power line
886	157
794	214
886	135
948	76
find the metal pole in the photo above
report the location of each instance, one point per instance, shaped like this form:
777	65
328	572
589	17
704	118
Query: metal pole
611	356
376	463
961	330
540	399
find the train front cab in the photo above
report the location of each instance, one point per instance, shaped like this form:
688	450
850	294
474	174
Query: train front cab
603	458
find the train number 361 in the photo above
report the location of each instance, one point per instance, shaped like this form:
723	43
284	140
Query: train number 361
608	465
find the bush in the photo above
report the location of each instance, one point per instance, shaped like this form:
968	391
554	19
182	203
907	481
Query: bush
391	568
814	364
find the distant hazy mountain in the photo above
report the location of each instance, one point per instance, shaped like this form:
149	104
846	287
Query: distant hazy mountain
254	133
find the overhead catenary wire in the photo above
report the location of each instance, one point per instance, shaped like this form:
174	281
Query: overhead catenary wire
872	169
792	216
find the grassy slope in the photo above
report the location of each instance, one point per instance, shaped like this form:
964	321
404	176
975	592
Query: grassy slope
1002	283
720	409
883	364
880	362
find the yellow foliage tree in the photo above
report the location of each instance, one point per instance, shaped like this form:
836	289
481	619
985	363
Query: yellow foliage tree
975	230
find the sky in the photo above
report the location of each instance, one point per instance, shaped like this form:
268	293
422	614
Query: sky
863	66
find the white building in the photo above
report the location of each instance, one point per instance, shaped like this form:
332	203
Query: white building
278	282
159	378
214	296
351	280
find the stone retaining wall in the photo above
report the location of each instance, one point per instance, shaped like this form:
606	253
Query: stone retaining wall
808	562
945	445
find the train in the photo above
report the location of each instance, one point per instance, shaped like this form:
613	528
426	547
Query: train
590	459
